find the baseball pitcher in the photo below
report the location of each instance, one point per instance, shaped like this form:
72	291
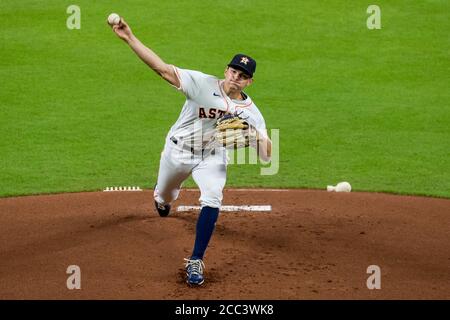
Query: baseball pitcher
216	115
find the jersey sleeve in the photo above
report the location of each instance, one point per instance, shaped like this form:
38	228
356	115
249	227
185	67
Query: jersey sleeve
257	121
262	128
190	81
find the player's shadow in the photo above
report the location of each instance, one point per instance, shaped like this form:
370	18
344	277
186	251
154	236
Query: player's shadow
260	240
70	237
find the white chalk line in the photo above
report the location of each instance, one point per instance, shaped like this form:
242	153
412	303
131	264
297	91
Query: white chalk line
115	189
227	208
109	189
120	188
247	190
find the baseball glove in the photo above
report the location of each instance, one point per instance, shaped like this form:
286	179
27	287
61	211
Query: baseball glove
233	132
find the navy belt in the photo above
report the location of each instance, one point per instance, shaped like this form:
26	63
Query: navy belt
191	149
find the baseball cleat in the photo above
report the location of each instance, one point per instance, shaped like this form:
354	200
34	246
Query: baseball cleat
162	209
194	271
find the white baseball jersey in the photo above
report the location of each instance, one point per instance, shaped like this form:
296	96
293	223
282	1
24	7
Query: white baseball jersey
206	101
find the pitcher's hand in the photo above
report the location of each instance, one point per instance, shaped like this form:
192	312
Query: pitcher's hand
123	31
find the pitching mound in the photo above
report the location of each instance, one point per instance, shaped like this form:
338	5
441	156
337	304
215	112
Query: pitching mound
312	245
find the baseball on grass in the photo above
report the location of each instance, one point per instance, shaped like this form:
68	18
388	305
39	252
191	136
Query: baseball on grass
113	19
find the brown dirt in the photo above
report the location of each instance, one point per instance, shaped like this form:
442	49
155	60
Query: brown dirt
313	245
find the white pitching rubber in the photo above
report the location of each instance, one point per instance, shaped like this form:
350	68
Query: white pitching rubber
227	208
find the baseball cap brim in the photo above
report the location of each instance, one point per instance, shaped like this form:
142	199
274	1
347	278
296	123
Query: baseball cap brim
239	67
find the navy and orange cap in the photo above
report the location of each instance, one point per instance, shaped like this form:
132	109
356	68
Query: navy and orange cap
244	63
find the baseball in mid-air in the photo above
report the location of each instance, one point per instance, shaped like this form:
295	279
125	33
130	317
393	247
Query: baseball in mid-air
113	19
340	187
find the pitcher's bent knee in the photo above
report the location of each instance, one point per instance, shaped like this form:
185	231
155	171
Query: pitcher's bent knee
211	199
167	196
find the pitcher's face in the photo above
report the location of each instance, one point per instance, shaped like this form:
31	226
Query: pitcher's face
236	79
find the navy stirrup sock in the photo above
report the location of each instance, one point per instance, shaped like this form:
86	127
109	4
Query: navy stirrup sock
204	230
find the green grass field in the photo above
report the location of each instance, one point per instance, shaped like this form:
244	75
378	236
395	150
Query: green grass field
79	111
